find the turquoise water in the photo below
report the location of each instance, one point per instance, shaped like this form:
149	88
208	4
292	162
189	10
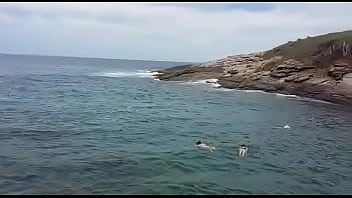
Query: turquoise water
96	126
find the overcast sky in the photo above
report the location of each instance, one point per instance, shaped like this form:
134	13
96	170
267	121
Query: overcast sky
163	31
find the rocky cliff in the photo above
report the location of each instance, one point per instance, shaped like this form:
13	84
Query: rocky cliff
316	67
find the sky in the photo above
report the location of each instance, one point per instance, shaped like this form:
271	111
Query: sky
193	32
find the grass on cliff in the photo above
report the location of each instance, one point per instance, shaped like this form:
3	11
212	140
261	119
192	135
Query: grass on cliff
303	49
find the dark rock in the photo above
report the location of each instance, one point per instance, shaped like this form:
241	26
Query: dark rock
297	78
282	73
265	87
301	79
337	71
288	68
288	77
233	71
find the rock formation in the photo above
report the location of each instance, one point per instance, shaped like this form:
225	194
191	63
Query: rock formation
316	67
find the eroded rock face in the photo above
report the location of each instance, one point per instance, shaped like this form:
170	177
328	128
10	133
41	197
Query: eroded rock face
288	68
233	71
251	71
298	78
337	71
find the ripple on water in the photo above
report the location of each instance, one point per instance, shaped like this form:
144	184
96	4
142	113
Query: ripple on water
133	135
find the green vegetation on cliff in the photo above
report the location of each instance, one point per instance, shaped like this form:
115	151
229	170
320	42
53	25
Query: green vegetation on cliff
320	50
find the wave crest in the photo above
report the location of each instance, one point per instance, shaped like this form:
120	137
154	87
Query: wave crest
120	74
213	82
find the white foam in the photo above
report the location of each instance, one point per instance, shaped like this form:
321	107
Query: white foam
303	98
138	73
224	89
260	91
287	95
253	91
213	82
278	94
314	100
284	127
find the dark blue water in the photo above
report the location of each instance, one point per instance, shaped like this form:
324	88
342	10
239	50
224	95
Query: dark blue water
97	126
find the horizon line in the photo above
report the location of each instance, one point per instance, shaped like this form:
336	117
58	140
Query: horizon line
66	56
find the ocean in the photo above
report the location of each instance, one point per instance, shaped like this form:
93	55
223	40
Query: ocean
103	126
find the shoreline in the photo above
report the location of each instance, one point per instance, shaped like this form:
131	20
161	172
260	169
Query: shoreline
213	83
314	67
305	83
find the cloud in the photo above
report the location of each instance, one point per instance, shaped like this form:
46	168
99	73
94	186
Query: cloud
168	31
218	7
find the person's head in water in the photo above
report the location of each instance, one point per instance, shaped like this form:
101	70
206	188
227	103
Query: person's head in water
243	146
199	142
